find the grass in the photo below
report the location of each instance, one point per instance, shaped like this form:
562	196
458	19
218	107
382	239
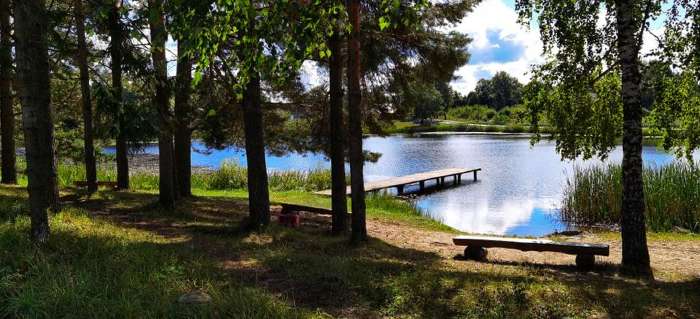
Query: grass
119	255
230	180
229	176
378	206
137	260
593	196
654	236
461	125
92	268
457	126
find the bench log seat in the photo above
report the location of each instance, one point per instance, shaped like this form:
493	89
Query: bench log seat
585	253
290	208
99	184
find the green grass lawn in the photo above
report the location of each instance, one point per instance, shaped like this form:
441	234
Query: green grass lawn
378	206
118	256
401	127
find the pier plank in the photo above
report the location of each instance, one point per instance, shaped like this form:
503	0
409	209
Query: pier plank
402	181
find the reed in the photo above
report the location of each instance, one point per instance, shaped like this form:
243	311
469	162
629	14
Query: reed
229	176
593	195
68	173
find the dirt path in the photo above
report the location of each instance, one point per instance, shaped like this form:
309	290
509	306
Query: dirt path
671	261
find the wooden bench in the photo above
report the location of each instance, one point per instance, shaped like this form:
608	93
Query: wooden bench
290	218
585	253
99	184
290	208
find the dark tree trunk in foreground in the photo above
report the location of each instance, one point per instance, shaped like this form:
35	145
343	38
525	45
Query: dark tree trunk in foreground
337	151
166	185
359	227
258	193
89	148
116	34
635	255
7	117
183	131
35	95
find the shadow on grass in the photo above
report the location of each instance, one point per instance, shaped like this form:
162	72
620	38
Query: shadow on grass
103	268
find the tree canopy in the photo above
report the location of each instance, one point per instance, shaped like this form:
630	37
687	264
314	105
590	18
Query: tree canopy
502	90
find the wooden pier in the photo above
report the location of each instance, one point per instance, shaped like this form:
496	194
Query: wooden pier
402	181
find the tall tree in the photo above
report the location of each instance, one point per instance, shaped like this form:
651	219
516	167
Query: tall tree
356	156
586	56
81	61
166	180
248	42
7	117
337	132
183	116
675	114
116	47
635	254
35	96
258	192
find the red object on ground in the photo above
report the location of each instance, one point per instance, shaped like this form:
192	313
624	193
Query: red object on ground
290	220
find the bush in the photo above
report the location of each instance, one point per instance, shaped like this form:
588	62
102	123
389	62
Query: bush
593	195
229	176
484	115
475	113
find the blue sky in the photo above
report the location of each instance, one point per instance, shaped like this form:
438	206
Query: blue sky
500	43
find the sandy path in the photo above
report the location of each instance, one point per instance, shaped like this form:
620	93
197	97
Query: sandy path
676	260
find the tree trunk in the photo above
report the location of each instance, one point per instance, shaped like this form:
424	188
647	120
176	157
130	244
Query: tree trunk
359	227
258	193
35	95
122	155
89	148
337	151
635	255
7	117
183	132
166	184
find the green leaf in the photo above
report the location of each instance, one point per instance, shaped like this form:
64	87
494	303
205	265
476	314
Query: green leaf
383	23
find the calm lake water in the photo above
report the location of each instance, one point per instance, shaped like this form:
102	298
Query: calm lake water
518	191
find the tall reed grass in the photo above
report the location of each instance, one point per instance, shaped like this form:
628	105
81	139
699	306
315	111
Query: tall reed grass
593	195
69	173
229	176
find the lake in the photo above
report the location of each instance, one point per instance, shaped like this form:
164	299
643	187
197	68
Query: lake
518	191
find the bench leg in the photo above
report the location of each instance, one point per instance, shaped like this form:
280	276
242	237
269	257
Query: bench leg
585	261
475	253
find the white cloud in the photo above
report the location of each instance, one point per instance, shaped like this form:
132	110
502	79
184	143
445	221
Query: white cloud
496	16
650	43
312	74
